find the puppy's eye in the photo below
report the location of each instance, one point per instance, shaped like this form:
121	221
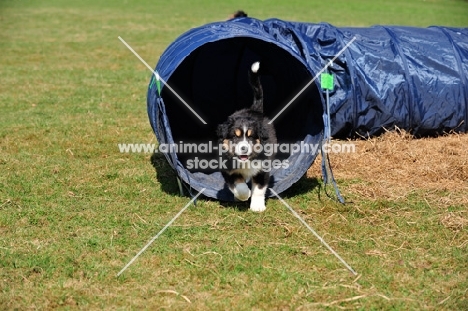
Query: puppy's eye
249	133
238	132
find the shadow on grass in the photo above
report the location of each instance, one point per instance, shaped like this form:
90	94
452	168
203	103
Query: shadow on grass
323	192
238	206
303	186
165	175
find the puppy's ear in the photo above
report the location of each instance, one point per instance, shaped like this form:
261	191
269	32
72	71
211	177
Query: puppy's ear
262	132
222	130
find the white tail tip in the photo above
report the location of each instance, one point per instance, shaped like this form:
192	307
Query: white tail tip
255	67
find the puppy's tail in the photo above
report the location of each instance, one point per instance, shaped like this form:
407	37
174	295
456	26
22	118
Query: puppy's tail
254	79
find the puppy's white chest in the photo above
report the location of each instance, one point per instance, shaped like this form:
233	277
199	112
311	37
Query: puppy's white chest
247	172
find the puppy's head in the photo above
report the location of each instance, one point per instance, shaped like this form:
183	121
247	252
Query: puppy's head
239	136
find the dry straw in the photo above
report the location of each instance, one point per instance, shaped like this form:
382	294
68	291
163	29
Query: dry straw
396	165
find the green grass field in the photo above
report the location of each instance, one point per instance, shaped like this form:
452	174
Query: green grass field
74	210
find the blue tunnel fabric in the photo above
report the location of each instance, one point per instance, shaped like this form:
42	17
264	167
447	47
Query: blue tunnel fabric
412	78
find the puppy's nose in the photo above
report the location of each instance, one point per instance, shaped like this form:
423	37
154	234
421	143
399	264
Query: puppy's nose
243	148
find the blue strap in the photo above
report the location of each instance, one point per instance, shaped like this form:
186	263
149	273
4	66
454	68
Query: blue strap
327	172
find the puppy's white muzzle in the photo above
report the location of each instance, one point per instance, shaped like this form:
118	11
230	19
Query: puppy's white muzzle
243	150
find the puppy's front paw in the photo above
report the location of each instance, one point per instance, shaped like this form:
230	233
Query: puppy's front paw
257	204
242	192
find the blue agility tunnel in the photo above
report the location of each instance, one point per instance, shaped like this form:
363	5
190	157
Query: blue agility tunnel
412	78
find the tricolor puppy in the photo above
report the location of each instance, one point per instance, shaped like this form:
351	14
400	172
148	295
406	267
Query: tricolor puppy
242	137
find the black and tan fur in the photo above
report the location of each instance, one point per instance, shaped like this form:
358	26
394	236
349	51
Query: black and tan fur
239	134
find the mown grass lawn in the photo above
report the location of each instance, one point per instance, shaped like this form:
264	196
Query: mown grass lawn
74	210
